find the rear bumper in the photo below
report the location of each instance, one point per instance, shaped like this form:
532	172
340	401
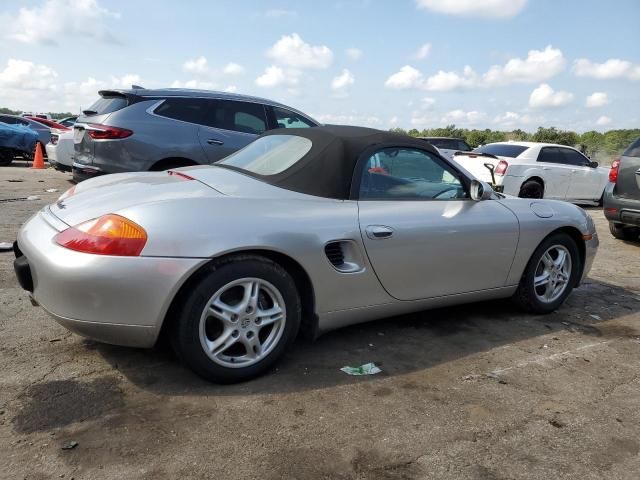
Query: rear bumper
118	300
620	210
83	172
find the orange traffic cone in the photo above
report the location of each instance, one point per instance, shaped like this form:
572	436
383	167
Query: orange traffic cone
38	159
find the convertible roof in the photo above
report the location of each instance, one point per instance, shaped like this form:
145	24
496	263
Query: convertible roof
327	169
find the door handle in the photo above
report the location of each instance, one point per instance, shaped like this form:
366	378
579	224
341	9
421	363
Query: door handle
215	141
378	232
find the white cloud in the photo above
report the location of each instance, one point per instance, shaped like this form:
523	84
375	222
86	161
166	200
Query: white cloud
463	118
293	51
603	120
349	119
447	81
423	52
55	18
280	13
514	120
275	76
233	69
198	66
427	102
612	68
597	99
231	89
342	81
475	8
394	120
546	97
22	74
539	65
407	77
353	53
196	84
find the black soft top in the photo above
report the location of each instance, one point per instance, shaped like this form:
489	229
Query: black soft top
327	170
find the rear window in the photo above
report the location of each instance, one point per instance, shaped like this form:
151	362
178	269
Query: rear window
450	144
107	105
269	155
502	149
633	150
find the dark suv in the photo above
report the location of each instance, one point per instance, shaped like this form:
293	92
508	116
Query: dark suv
140	129
622	196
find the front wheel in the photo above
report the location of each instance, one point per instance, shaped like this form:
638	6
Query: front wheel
550	275
238	320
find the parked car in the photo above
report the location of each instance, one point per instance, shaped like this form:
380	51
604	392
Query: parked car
16	140
67	121
49	123
139	129
537	170
622	195
305	230
447	146
46	116
44	132
60	151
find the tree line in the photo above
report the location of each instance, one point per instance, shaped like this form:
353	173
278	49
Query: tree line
602	147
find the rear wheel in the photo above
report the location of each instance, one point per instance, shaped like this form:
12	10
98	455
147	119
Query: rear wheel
623	233
550	275
238	320
531	189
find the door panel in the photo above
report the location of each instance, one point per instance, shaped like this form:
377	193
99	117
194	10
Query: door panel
218	144
556	174
586	182
424	249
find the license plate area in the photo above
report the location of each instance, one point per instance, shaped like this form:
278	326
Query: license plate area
78	135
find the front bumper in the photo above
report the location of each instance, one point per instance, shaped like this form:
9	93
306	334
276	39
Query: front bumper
118	300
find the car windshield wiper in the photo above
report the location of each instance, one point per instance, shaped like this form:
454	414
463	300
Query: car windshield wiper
89	112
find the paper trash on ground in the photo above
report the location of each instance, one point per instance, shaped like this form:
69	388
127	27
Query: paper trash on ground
366	369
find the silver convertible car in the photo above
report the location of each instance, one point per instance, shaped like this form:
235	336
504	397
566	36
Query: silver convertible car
302	231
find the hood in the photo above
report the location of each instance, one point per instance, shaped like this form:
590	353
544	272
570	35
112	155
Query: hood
112	193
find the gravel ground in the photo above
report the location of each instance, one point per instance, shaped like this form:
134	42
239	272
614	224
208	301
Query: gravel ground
472	392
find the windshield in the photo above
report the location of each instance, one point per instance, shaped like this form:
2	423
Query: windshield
502	149
106	105
269	155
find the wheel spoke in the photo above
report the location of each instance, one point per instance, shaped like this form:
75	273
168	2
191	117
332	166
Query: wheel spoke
541	279
269	316
223	342
224	312
547	260
562	257
252	346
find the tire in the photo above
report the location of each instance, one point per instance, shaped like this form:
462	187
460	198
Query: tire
531	189
6	157
623	233
216	345
531	298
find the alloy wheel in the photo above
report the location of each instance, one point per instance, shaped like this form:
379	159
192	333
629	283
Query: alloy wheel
242	322
552	274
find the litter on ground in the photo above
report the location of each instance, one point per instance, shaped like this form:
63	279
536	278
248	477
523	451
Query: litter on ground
366	369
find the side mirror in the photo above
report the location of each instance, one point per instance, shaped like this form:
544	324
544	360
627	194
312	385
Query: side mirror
593	164
480	190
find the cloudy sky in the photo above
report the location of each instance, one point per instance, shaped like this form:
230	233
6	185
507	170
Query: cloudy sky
411	63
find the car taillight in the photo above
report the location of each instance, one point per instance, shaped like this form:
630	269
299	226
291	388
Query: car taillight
501	168
108	235
613	173
107	132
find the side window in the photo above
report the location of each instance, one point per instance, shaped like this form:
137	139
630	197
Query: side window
551	155
408	174
9	120
243	117
185	109
574	158
288	119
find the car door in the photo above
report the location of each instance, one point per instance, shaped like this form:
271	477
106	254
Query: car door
424	237
229	125
587	182
555	173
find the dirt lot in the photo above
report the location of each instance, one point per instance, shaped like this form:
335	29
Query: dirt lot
474	392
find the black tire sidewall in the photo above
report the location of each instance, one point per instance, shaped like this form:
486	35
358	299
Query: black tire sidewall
526	295
186	335
529	184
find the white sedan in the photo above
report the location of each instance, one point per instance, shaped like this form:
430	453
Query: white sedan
60	150
537	170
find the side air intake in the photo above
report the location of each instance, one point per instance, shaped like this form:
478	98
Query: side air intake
335	254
